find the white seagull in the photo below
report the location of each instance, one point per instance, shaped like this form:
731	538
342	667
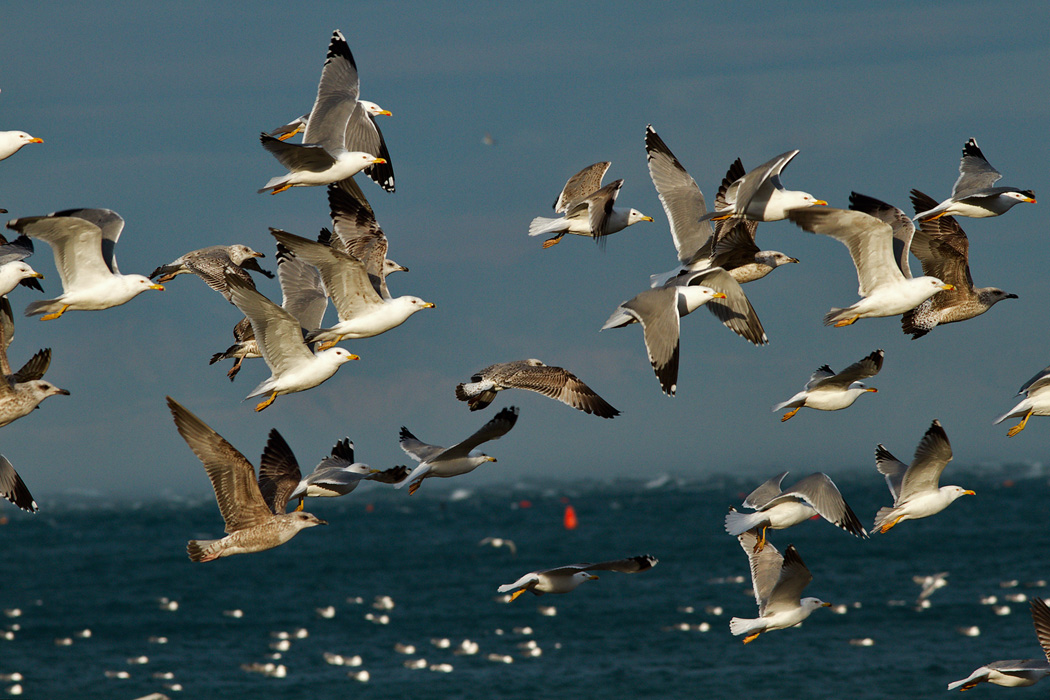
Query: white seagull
459	459
776	509
280	338
974	194
884	288
778	582
759	195
323	157
828	391
565	579
914	488
1016	673
1036	402
11	141
83	242
588	208
363	313
252	524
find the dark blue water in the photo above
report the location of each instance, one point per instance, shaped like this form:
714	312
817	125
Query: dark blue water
103	567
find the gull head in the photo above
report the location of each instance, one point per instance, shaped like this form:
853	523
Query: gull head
1027	196
993	295
303	520
139	284
634	216
43	389
955	492
773	258
239	253
374	109
862	388
341	355
812	604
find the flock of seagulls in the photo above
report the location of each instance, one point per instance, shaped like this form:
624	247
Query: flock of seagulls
348	265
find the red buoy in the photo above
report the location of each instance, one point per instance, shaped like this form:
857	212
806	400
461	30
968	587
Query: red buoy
570	518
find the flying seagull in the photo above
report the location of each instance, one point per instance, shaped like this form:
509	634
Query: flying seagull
252	524
533	375
1035	403
1017	672
565	579
828	391
212	264
759	195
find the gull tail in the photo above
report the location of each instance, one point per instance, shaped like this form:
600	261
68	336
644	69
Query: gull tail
738	523
274	183
44	307
836	314
739	625
884	516
542	225
198	550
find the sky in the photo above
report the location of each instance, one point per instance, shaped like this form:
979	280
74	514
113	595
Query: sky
154	110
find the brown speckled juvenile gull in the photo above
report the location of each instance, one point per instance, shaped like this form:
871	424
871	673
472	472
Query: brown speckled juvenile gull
252	525
566	578
941	246
974	194
1016	673
22	391
555	382
212	264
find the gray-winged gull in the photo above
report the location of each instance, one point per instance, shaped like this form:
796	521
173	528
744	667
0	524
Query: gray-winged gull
588	209
13	488
11	141
363	313
251	523
281	481
1035	403
293	366
941	246
698	243
461	458
565	579
1016	673
974	194
914	487
884	288
83	242
759	195
554	382
828	391
323	157
13	271
814	495
778	582
212	264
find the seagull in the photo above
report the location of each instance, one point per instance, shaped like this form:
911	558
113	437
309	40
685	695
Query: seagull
941	246
733	249
212	264
588	208
362	132
565	579
828	391
293	367
660	311
11	141
83	242
323	157
778	582
280	480
776	509
760	196
498	542
914	487
973	194
1035	403
13	271
304	297
1016	673
458	459
555	382
886	291
363	313
356	233
13	488
24	390
930	584
252	525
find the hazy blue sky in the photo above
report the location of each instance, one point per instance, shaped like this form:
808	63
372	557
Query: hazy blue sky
154	110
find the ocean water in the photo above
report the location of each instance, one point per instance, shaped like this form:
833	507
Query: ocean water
87	564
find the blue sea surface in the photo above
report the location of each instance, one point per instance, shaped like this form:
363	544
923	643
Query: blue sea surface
82	563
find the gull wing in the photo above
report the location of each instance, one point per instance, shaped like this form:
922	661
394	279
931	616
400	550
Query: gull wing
496	428
360	236
303	292
232	476
756	184
869	240
580	186
892	468
822	374
599	207
630	565
657	311
1040	380
861	369
765	493
735	311
559	384
1041	620
76	243
681	198
765	567
734	245
35	367
298	157
13	488
278	333
417	450
363	134
794	577
931	457
902	225
976	174
337	95
819	491
279	473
